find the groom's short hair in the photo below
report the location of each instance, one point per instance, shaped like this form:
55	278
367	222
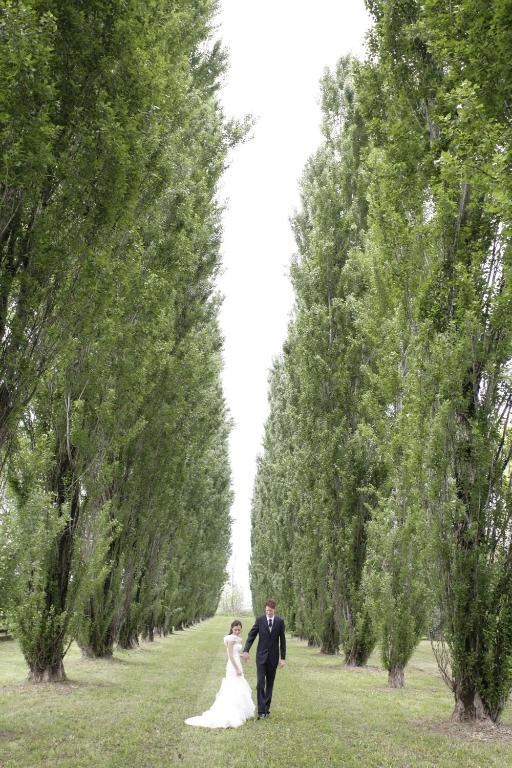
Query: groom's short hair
271	604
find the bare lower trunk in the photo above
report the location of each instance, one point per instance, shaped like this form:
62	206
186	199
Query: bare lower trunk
396	677
357	655
96	642
330	638
128	641
128	632
50	673
329	650
93	652
469	707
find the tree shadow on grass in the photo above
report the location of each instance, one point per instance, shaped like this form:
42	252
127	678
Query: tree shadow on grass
9	735
349	668
472	732
409	688
63	688
107	660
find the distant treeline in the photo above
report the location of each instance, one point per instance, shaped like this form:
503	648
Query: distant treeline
382	506
113	429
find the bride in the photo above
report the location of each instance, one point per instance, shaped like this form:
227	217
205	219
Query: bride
233	704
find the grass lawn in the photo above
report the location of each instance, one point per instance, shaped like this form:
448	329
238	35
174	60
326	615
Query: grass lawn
128	713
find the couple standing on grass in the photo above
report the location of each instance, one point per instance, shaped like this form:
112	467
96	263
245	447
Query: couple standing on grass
233	704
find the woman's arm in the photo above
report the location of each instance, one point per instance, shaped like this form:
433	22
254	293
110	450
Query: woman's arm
232	658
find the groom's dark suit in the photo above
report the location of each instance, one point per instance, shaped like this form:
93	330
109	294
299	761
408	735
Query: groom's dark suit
271	644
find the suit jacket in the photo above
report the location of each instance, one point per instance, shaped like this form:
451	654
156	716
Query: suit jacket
270	644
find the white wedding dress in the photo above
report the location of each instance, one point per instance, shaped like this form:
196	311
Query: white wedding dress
233	704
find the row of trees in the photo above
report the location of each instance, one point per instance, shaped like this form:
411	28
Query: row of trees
113	427
384	494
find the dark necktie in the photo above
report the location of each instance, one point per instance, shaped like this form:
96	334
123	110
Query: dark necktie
270	625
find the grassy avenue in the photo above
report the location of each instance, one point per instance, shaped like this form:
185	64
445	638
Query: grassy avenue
128	713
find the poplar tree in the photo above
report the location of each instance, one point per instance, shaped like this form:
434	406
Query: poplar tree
397	362
431	61
117	460
335	468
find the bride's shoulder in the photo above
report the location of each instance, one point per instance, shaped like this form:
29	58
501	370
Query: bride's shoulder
229	639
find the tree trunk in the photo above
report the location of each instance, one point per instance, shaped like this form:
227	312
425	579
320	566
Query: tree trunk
468	706
96	640
44	650
128	637
51	672
95	651
396	677
129	643
357	638
329	649
357	655
330	633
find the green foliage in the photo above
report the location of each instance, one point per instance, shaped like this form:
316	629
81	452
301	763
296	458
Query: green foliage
384	487
439	239
111	349
317	475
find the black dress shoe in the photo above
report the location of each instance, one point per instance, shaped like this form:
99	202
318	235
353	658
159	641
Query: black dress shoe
261	717
267	714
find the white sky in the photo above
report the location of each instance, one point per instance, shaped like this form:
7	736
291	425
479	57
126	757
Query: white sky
278	52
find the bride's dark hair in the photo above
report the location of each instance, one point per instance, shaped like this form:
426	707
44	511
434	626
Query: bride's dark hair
235	623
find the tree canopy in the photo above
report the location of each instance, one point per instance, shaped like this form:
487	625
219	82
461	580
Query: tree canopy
113	426
385	483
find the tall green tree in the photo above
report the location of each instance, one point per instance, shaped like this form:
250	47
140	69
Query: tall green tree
336	468
397	363
274	523
397	257
81	115
117	462
432	61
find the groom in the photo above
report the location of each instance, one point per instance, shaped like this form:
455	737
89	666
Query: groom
271	645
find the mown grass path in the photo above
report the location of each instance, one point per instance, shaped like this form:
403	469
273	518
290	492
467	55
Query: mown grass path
128	713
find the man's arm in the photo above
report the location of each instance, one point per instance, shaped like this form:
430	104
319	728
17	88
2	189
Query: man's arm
251	637
282	641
